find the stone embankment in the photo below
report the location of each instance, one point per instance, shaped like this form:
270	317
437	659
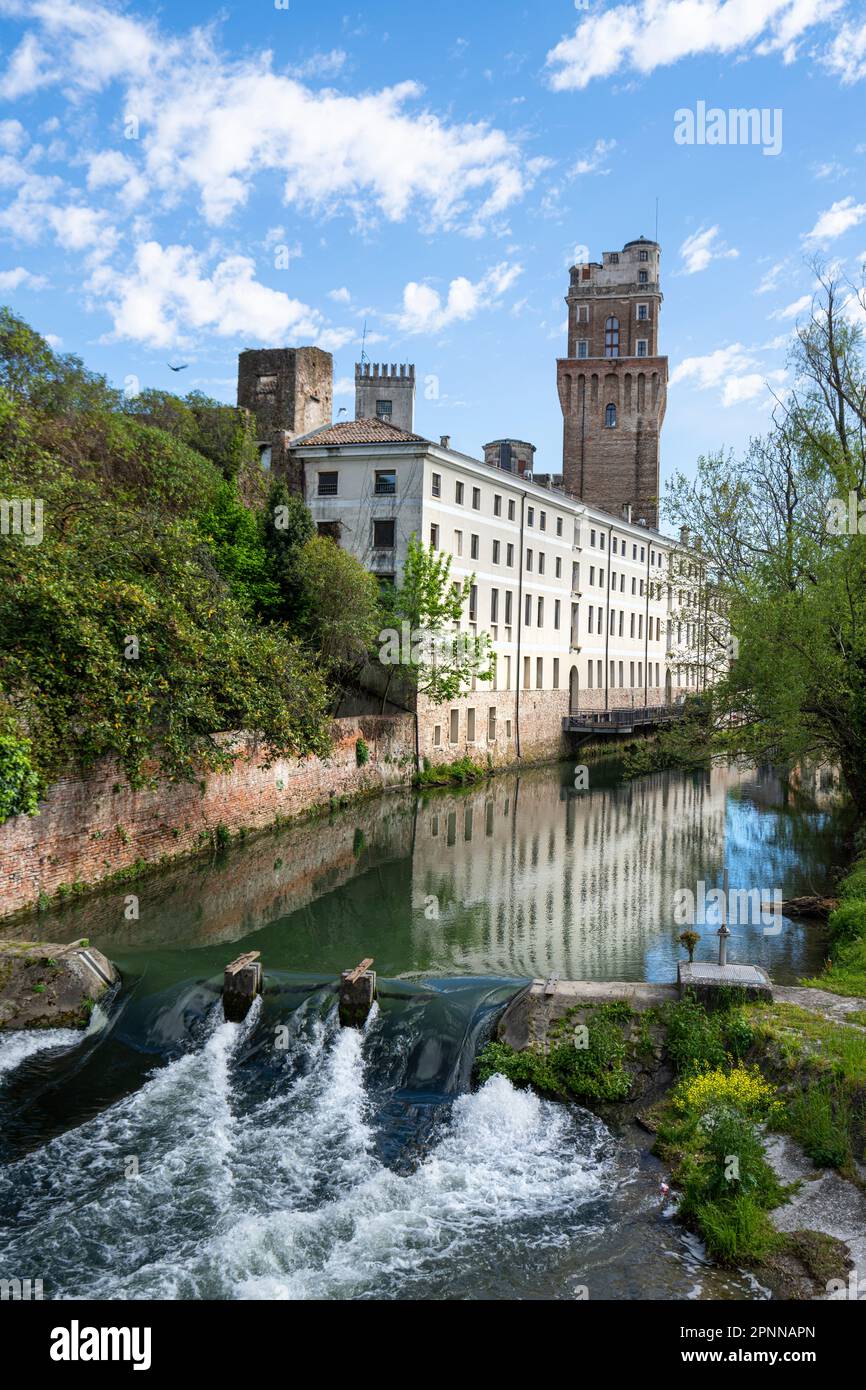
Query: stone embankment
43	985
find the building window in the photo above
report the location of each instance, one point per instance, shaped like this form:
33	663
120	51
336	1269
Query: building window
470	726
542	521
610	416
454	730
473	603
265	454
541	562
328	484
458	543
642	347
494	605
540	616
611	337
458	493
539	673
559	525
530	516
330	530
526	670
508	728
583	348
509	556
383	410
557	609
643	312
558	565
642	277
497	504
643	255
511	509
589	671
613	258
527	614
437	740
529	561
476	499
491	724
434	537
556	673
508	612
496	552
473	547
436	485
386	482
383	535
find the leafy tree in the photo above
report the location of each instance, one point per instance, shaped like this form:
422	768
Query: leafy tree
425	611
340	605
288	527
793	586
234	535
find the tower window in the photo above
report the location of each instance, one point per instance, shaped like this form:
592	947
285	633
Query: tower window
641	347
583	348
613	258
610	416
383	410
643	255
642	277
643	312
383	535
611	337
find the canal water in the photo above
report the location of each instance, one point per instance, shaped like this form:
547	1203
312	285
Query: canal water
168	1154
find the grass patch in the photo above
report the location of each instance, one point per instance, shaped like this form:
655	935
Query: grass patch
461	772
583	1062
845	973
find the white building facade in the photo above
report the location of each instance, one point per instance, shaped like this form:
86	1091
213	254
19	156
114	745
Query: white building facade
585	611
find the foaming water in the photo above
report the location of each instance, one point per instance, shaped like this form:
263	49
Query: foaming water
17	1046
287	1158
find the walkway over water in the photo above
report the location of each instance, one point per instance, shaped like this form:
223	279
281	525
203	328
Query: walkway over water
620	721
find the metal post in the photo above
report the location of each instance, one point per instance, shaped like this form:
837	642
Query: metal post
723	929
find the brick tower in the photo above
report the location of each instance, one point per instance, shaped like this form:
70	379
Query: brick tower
613	384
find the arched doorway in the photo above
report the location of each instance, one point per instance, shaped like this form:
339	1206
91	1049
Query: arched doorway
573	691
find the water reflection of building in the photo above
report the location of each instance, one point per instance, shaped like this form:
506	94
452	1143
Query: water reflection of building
555	880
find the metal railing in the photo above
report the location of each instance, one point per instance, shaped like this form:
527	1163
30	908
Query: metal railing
621	718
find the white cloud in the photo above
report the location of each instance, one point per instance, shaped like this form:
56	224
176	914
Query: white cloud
736	370
771	278
655	33
846	55
216	125
793	311
110	168
340	296
168	291
12	136
425	312
344	386
839	218
19	278
321	64
592	163
703	247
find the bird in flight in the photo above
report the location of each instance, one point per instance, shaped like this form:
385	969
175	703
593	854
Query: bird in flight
182	368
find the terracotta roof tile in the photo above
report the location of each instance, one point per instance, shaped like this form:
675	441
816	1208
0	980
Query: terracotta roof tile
359	432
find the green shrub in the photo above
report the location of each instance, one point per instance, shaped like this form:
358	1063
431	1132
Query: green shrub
819	1118
848	922
362	752
19	783
736	1229
592	1072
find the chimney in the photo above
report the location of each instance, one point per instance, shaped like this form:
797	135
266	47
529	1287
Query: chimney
626	511
445	441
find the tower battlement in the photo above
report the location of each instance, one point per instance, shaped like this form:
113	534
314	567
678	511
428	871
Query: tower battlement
383	393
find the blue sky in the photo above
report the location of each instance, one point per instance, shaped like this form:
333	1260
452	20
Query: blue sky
178	182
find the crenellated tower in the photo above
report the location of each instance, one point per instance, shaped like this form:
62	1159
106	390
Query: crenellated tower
383	394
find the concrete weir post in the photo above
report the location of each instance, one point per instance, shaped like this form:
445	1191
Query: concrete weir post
242	981
357	994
